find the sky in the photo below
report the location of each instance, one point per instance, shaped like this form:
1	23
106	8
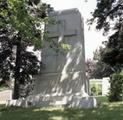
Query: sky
93	38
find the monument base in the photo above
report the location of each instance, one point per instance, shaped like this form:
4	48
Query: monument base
69	100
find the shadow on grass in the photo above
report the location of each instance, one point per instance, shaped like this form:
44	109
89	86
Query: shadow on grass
113	111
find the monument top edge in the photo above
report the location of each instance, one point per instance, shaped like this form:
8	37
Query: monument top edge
66	11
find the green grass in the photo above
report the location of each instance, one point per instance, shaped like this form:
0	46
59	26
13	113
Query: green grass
3	87
106	111
102	99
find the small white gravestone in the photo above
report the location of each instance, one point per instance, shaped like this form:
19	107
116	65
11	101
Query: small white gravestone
5	95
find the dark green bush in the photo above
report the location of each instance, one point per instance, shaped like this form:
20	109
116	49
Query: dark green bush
116	88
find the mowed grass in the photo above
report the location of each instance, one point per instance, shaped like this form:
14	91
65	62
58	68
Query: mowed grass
2	88
105	111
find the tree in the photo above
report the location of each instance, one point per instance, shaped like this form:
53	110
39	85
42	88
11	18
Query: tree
96	68
108	16
20	26
29	66
101	69
90	67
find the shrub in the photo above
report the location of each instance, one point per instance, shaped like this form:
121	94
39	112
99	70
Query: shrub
116	89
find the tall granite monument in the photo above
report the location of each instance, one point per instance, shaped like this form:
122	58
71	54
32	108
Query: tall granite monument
63	80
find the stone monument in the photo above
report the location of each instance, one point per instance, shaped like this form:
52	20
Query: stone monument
63	80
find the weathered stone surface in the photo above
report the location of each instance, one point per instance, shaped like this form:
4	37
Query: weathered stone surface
64	74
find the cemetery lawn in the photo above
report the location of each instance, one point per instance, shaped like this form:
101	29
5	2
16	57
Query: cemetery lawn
2	88
105	111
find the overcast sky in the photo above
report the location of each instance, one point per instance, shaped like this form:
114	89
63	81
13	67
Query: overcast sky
93	39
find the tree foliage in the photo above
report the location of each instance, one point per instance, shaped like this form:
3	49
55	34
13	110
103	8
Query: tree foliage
90	67
102	69
20	27
96	68
108	16
116	89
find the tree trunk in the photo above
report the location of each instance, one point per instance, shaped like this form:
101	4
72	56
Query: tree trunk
16	93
